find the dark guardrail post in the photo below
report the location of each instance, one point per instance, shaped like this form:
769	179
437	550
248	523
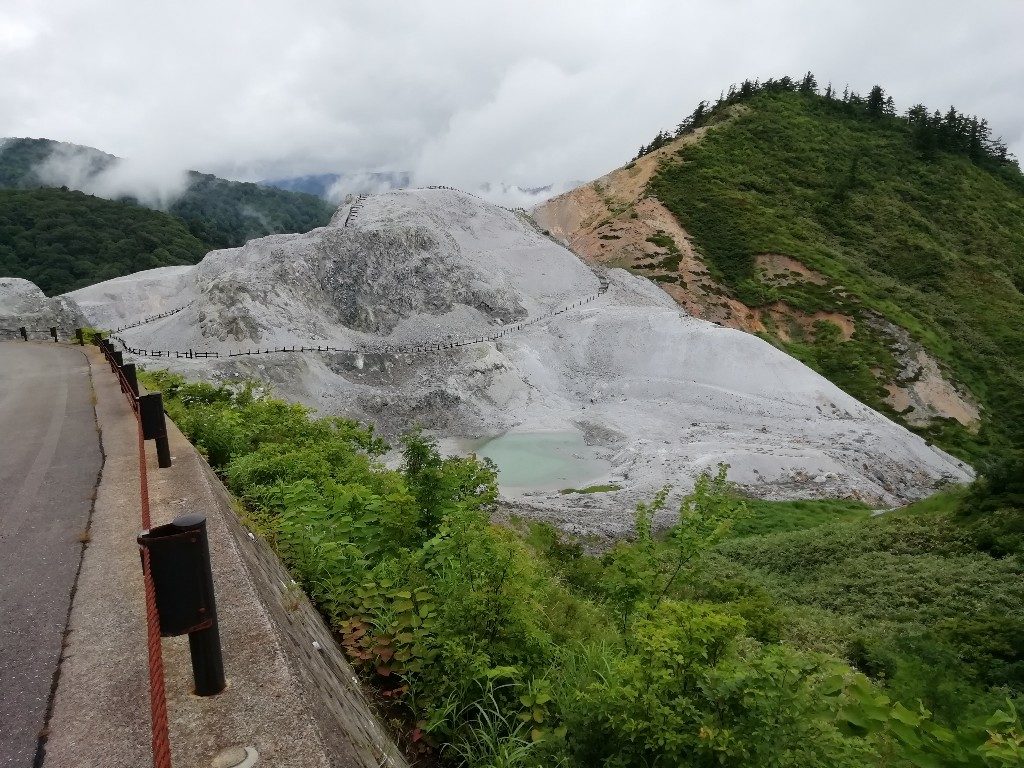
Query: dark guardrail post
53	332
80	335
179	561
130	375
151	411
24	333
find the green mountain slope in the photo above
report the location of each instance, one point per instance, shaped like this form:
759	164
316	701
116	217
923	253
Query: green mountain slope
226	214
63	240
911	223
220	213
20	159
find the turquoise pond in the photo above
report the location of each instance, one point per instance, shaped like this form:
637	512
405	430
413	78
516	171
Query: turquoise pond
543	461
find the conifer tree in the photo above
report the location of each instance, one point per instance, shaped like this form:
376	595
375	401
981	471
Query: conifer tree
876	101
923	131
929	132
974	147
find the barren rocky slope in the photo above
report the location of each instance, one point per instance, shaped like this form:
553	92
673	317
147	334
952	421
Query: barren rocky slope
616	221
657	393
23	304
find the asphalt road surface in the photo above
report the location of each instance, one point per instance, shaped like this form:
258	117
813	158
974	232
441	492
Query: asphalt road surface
50	458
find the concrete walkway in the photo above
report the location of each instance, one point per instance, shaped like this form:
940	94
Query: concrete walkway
278	681
49	463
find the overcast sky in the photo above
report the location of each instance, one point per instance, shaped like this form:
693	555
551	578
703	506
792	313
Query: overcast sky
464	91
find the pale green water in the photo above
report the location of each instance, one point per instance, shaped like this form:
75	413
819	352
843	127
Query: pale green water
543	461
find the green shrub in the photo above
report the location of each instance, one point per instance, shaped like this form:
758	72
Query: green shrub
678	649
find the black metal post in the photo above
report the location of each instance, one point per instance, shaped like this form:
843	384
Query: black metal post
132	377
24	333
53	332
179	558
204	644
207	661
151	410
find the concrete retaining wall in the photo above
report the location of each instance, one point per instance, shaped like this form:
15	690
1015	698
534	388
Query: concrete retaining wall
346	723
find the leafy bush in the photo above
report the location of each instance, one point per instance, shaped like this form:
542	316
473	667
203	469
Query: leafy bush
690	693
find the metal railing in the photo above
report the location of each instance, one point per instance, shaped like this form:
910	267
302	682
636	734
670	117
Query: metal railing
380	349
160	731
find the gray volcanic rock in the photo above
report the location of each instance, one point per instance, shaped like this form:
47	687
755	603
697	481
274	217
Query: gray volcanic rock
126	299
22	303
661	396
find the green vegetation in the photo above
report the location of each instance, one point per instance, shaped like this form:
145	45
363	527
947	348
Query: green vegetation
226	214
63	240
601	488
850	365
725	642
78	246
670	262
93	335
918	219
782	516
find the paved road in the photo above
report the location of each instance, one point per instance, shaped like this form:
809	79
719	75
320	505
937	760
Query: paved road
50	459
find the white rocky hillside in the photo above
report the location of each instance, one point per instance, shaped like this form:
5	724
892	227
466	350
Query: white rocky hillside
658	396
24	305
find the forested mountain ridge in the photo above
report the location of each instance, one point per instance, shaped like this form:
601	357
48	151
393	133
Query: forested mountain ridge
215	212
885	251
21	161
62	240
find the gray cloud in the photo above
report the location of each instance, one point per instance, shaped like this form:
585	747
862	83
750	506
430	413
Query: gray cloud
152	179
523	93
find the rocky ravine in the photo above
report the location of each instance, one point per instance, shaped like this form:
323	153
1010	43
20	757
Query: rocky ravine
657	393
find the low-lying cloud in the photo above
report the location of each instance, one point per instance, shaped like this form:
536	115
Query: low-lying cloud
365	183
515	95
151	181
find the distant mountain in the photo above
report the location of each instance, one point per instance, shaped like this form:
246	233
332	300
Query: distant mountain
22	161
218	212
514	189
316	184
334	186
